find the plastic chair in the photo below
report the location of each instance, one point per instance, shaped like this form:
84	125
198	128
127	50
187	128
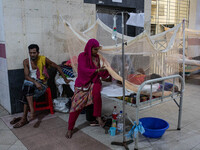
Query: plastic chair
46	104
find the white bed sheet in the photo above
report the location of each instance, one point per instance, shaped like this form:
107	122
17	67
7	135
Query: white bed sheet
113	90
108	89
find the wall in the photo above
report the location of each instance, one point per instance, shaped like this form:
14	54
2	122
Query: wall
198	16
4	87
147	16
194	21
37	21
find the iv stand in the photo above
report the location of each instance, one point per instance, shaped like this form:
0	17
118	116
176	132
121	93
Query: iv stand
124	142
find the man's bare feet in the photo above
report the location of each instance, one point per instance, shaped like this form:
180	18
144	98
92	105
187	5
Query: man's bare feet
68	134
32	116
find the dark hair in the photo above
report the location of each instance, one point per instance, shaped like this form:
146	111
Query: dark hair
32	46
140	70
155	76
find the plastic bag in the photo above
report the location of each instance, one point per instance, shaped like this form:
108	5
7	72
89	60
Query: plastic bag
59	104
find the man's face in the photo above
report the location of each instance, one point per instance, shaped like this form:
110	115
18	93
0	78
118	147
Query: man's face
33	54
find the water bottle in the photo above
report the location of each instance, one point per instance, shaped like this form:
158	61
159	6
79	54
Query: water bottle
114	123
120	122
114	113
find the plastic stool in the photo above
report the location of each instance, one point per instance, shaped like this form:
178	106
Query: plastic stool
47	102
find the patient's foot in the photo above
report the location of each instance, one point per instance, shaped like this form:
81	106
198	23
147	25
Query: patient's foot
68	134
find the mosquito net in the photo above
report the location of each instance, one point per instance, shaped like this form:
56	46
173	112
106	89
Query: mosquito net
192	52
193	42
145	57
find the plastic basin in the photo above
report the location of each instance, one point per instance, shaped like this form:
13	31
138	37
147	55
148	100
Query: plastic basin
154	127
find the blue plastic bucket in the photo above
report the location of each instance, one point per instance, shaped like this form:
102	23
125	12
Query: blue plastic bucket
154	127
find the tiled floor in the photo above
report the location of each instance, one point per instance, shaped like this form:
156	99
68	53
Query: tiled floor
188	138
8	141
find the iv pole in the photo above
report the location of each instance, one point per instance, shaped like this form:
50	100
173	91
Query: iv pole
124	142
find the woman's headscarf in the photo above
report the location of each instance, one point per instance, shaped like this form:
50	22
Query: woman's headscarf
86	67
90	44
88	49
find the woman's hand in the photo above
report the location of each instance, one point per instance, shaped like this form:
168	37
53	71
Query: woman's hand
108	79
101	69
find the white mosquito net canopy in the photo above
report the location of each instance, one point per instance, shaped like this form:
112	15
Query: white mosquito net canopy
145	56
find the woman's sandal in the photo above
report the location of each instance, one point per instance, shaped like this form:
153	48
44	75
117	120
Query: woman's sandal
21	123
94	123
15	120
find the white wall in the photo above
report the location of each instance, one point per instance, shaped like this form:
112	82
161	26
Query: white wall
198	15
147	16
37	21
194	17
4	87
194	23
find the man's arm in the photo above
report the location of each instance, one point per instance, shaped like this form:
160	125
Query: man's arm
27	77
54	65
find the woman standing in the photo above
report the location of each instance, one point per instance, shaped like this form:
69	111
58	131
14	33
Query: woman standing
87	85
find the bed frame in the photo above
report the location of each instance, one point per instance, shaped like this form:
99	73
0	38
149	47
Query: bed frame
152	102
155	101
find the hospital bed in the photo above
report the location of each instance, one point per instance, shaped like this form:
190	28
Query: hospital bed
161	97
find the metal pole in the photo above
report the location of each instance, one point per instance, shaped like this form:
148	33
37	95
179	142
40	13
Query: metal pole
184	52
124	143
137	117
180	107
123	75
181	97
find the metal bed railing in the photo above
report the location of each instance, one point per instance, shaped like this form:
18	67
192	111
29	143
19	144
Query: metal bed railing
155	101
173	96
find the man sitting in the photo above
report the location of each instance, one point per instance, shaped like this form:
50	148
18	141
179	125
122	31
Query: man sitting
35	82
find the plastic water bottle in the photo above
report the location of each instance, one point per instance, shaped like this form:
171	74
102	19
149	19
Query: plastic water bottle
120	122
114	113
114	123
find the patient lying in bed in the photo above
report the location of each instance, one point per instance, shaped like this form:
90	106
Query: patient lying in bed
139	77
